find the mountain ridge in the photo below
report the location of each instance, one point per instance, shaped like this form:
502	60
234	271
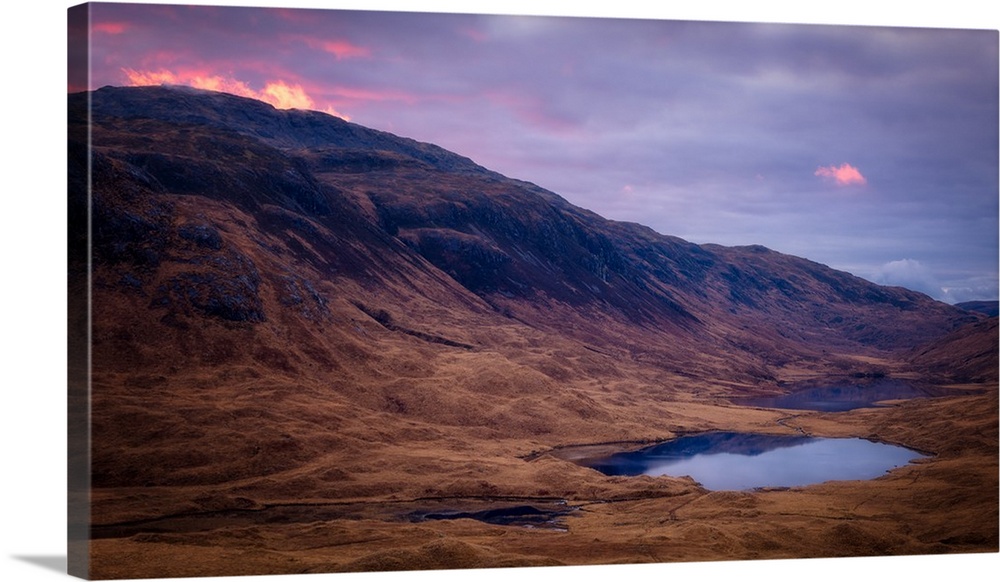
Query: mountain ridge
506	241
253	118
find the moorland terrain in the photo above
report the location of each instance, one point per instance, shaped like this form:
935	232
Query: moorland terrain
308	336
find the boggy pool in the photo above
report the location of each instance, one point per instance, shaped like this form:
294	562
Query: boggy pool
839	395
738	461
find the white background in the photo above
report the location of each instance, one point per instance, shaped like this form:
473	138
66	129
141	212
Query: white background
33	298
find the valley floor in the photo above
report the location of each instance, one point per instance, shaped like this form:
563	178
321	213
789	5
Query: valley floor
947	503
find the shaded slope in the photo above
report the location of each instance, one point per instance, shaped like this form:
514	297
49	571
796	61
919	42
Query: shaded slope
971	353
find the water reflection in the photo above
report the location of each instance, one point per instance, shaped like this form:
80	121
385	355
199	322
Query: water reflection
736	461
842	395
547	517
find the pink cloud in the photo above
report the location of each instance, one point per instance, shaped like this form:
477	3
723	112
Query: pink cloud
475	34
356	94
843	175
340	49
110	27
345	50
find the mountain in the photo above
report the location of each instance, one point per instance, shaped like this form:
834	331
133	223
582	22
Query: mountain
367	205
289	310
231	239
212	209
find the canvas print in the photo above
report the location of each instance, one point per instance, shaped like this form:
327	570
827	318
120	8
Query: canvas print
357	291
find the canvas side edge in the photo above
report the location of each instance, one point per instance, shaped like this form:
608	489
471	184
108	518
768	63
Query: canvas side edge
78	299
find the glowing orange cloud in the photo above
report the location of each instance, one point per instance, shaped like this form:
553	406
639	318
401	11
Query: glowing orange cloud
285	96
844	175
222	84
278	93
140	78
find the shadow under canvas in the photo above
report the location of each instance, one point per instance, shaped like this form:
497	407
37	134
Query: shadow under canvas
55	563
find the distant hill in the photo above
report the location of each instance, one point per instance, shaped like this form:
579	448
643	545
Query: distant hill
990	308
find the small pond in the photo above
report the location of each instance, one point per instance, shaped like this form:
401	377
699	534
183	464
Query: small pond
547	514
737	461
841	395
531	516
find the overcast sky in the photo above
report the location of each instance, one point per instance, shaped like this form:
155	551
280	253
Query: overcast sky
871	149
